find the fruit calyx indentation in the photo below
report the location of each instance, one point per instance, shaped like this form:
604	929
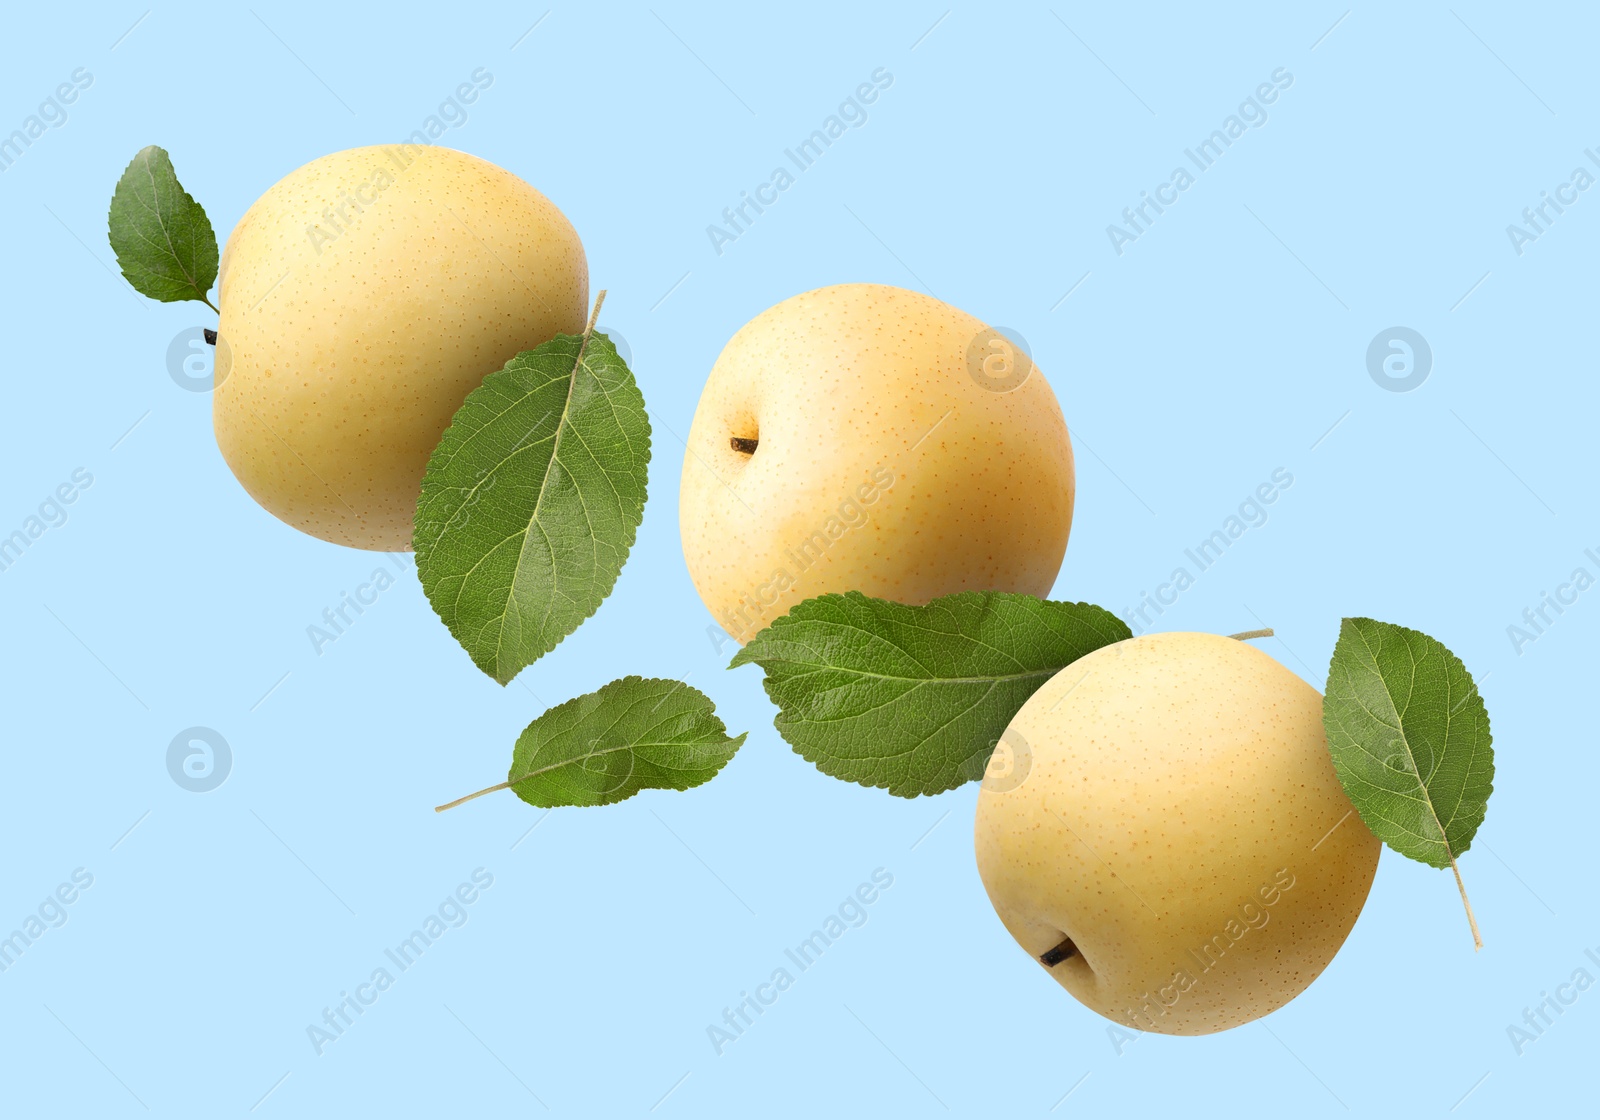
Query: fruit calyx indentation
744	446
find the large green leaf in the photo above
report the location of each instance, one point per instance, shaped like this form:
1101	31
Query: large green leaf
161	235
532	499
1410	739
913	698
606	746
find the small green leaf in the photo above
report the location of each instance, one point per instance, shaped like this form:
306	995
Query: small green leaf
531	501
913	699
1410	741
161	235
606	746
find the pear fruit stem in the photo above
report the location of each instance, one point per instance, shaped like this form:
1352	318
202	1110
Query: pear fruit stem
1052	957
594	317
1246	635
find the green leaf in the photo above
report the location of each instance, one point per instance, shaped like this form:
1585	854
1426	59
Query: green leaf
606	746
913	699
1410	739
531	501
161	235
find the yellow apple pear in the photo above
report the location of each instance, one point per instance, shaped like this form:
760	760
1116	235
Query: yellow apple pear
1169	839
868	438
363	297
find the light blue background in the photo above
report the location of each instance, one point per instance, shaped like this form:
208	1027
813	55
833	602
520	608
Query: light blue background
1224	343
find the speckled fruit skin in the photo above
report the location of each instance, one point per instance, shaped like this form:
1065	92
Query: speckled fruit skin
363	297
1174	780
844	388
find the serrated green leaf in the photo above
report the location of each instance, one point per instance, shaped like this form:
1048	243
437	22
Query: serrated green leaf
912	699
1410	739
606	746
531	501
161	235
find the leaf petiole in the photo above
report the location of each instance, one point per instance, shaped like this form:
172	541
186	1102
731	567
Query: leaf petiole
1477	938
471	796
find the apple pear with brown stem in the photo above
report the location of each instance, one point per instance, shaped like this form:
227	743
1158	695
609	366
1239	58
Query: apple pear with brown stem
1180	855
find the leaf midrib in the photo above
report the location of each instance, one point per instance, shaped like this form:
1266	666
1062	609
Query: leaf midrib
577	759
538	505
612	726
991	678
155	194
909	622
1405	740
